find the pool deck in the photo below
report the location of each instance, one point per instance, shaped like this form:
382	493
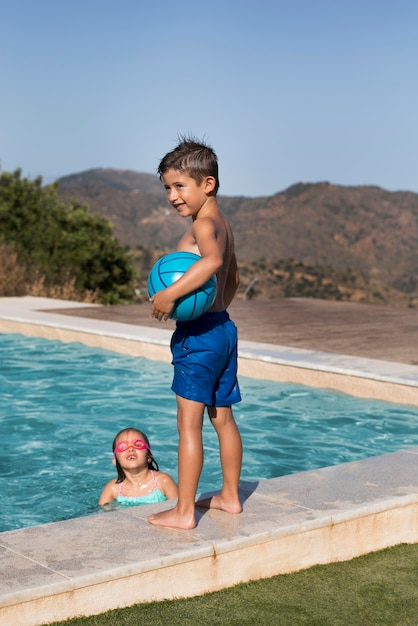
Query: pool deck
89	565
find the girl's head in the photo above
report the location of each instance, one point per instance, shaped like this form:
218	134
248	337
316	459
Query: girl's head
194	158
127	438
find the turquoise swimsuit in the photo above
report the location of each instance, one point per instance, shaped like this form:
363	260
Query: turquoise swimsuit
148	498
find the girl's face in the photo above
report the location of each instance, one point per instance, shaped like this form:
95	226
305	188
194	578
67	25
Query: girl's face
131	447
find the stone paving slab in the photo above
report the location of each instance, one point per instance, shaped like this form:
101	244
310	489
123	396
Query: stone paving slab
361	330
312	517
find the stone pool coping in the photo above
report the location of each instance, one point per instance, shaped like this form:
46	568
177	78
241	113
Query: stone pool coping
88	565
369	378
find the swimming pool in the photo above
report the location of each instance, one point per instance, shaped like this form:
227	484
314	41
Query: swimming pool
62	404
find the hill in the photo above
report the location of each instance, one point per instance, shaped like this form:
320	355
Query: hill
366	236
135	203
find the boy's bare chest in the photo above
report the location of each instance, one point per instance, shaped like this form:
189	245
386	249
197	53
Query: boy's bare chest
188	243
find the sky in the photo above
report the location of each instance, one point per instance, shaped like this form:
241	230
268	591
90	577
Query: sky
285	91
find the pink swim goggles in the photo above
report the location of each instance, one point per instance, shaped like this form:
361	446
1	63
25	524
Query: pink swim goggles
138	444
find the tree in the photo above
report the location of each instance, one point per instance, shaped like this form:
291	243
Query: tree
62	241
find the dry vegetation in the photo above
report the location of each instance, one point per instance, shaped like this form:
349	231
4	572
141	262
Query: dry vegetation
12	274
14	282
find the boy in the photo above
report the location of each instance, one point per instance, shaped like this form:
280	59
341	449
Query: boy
204	350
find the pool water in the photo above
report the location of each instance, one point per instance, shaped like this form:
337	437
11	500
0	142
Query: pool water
62	403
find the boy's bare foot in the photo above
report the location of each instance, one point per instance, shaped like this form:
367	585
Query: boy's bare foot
173	519
217	502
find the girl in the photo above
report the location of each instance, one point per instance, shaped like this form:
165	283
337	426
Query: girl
138	481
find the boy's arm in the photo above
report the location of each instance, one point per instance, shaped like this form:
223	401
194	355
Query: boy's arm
203	231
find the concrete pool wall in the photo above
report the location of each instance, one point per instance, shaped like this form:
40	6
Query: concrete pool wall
86	566
368	378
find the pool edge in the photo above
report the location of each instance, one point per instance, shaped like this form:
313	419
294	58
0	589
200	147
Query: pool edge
285	527
288	524
367	378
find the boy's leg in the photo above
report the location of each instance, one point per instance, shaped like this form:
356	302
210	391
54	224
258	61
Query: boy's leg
230	450
190	462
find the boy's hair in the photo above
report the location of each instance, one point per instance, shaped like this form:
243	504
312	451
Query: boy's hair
152	463
194	158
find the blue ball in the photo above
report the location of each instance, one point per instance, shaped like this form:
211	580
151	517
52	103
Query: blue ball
170	268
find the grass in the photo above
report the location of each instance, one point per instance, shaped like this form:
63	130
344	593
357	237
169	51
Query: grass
379	588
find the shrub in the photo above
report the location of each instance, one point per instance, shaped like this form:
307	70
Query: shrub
62	244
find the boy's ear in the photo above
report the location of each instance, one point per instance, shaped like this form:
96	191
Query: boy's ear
209	183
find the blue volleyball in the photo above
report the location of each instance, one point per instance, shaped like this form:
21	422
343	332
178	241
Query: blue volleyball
170	268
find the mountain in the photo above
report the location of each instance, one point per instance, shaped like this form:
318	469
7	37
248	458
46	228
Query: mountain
365	230
135	203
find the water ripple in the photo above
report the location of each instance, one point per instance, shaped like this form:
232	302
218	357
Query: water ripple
62	404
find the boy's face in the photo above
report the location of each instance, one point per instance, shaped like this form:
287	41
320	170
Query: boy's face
185	194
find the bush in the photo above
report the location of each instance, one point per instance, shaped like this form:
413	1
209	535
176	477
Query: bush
62	246
12	273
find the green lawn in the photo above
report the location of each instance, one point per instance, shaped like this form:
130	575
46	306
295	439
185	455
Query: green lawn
379	588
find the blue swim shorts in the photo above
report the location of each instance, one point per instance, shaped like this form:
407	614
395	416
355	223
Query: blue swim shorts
205	355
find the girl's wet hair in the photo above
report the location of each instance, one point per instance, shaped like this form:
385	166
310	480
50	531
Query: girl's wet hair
152	463
192	157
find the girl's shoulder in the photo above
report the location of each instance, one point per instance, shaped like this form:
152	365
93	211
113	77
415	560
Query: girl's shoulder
112	488
112	483
166	484
109	493
160	476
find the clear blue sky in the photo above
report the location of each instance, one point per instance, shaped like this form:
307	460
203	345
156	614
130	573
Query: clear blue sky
284	90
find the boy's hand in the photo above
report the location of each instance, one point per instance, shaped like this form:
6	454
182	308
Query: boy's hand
161	305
